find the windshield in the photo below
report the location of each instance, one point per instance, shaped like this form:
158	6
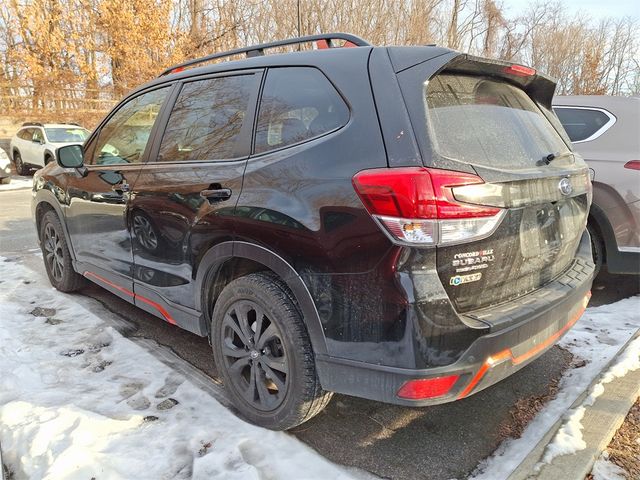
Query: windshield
491	123
62	135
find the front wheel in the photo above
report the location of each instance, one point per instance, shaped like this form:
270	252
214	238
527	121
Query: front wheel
57	259
262	349
21	169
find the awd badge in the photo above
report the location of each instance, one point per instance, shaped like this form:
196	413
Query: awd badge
460	279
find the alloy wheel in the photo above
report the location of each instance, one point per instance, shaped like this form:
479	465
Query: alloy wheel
254	355
54	255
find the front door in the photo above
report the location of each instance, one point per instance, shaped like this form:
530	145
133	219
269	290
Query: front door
184	199
97	202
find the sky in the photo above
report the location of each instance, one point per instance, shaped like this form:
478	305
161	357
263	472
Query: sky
597	9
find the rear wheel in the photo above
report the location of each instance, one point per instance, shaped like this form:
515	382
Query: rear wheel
47	160
597	247
21	169
55	252
263	351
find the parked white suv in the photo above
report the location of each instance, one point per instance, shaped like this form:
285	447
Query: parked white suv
35	144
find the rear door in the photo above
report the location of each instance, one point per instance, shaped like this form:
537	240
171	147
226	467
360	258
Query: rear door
184	199
494	123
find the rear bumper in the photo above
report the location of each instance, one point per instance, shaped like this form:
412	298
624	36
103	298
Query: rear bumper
539	321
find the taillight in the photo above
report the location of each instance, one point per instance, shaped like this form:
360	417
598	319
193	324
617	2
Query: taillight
632	165
416	205
427	387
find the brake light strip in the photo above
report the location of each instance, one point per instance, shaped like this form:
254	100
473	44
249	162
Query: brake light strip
133	295
508	354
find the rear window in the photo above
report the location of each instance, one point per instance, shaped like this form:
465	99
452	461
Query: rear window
583	123
483	121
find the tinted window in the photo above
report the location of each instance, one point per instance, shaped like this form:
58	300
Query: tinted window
488	122
26	134
68	134
124	137
207	118
37	135
298	103
581	123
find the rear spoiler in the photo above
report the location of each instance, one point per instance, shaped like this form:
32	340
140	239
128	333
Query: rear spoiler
538	86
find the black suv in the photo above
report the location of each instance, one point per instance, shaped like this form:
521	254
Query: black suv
404	224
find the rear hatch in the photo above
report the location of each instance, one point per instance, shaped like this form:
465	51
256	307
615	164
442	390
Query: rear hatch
494	120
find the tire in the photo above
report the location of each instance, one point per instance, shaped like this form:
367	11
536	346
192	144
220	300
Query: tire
56	256
47	160
21	169
262	349
597	248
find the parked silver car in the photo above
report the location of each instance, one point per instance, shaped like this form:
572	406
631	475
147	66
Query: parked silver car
605	130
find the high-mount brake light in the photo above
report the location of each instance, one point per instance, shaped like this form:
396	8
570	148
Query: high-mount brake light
417	205
520	70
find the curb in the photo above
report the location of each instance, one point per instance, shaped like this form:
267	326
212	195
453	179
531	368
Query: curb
601	421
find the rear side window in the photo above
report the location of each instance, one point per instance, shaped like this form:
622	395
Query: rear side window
298	104
583	123
487	122
26	134
207	118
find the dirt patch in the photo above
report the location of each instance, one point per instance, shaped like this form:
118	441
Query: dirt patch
624	449
525	409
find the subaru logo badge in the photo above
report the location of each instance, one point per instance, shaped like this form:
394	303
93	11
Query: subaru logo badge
565	186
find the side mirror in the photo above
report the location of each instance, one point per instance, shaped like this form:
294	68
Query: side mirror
70	156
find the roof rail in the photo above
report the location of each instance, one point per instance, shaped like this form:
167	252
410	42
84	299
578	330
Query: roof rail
32	124
258	50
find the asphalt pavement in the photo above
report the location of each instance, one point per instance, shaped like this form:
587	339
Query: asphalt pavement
441	442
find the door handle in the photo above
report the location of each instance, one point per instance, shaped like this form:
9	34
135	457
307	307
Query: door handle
217	194
122	187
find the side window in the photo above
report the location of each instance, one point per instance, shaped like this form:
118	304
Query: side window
26	134
37	135
207	118
582	123
298	103
124	137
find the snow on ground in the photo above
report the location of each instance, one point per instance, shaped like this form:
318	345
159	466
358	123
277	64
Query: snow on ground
78	400
596	338
604	469
17	182
569	437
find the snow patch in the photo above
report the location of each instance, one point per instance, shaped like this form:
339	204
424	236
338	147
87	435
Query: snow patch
78	400
569	440
17	183
604	469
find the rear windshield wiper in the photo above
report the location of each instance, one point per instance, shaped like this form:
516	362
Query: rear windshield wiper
551	157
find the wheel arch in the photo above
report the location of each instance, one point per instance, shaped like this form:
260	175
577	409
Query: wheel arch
243	258
49	153
43	202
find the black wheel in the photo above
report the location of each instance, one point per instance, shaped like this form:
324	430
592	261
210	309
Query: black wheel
597	247
57	260
263	351
47	160
21	169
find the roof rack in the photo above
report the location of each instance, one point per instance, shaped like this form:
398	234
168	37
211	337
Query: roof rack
258	50
32	124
